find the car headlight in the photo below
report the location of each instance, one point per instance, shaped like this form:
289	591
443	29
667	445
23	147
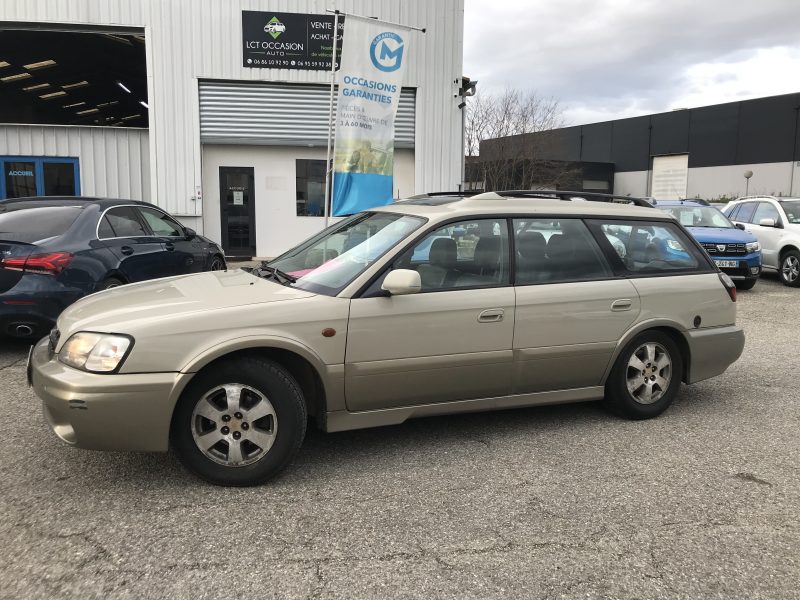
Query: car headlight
753	246
95	352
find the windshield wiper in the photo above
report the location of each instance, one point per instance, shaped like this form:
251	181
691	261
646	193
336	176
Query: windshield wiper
275	273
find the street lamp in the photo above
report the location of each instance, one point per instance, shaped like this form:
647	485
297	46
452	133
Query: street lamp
747	176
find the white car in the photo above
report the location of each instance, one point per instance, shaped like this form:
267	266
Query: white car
775	221
274	28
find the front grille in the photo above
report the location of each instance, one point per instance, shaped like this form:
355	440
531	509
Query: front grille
55	335
724	249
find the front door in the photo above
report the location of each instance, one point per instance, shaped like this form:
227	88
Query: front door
238	211
449	342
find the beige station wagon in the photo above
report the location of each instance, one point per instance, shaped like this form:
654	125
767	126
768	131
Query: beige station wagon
430	306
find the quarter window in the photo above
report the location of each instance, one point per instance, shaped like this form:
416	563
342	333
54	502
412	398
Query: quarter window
551	250
123	221
461	255
162	224
650	247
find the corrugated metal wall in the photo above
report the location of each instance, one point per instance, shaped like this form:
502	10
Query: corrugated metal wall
189	40
280	114
113	163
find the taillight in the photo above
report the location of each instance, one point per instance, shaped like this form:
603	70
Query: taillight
51	263
730	287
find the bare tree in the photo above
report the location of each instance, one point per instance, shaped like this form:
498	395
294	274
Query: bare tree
513	125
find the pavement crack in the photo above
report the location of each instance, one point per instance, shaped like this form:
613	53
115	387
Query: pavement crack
752	478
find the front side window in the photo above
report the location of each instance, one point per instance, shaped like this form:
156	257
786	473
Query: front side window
765	210
162	224
329	261
552	250
465	254
650	248
122	221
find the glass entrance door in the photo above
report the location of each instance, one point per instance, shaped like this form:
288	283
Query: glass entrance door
238	211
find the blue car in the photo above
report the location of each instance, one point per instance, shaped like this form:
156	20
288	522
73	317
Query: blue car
736	252
54	251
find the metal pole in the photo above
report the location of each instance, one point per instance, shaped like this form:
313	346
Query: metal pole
422	29
328	166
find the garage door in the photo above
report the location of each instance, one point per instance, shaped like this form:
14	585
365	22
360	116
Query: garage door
669	177
280	114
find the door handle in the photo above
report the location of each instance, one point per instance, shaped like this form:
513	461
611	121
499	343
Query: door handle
126	250
491	315
620	305
169	246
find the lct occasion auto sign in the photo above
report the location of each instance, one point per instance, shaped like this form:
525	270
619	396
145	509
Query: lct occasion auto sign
371	74
288	40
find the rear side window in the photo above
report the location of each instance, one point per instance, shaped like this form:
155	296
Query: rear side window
745	213
765	210
33	224
650	247
552	250
122	221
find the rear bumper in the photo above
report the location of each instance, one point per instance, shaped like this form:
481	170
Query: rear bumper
104	412
713	350
36	300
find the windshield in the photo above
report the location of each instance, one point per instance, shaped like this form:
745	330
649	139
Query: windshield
792	210
31	224
698	216
329	261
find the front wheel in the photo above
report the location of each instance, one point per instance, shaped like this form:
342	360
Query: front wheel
240	423
217	264
646	376
790	268
747	284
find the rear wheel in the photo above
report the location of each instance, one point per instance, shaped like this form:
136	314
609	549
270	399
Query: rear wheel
790	268
110	282
646	376
241	423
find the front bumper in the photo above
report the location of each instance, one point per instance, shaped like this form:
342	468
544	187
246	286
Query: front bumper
713	350
104	412
747	267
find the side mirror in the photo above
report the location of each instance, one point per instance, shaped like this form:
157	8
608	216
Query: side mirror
401	282
767	222
190	233
739	226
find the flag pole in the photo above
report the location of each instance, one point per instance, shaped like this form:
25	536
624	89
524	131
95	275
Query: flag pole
328	164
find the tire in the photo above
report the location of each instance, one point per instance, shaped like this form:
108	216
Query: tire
217	263
747	284
108	283
635	404
267	443
789	270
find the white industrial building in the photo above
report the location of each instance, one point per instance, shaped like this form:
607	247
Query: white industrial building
194	128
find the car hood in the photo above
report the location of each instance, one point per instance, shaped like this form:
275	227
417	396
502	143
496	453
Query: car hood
724	235
117	309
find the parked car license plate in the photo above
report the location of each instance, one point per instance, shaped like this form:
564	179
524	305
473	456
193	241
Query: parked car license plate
727	263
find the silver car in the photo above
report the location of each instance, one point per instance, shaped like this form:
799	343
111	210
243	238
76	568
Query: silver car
430	306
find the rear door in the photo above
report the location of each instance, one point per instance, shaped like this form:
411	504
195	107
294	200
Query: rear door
571	307
141	255
769	237
183	255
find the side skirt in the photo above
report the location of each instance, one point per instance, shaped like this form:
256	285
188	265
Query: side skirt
343	420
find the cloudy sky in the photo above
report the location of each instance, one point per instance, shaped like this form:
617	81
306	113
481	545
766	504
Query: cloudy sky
606	59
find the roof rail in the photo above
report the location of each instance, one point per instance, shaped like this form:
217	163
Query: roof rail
699	201
462	194
570	195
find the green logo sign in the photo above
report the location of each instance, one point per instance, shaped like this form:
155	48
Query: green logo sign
274	27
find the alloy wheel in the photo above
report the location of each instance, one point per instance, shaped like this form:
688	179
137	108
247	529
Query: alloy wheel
790	268
234	425
649	373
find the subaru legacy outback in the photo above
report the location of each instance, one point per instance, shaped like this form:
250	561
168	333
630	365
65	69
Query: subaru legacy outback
430	306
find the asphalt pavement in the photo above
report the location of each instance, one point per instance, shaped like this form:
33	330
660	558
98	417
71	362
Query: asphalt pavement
553	502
